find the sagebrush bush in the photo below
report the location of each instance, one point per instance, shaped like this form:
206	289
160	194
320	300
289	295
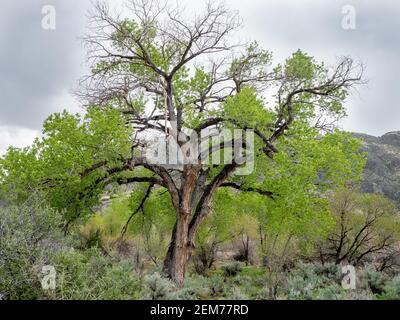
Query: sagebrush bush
360	294
329	271
89	275
196	287
232	269
204	257
239	295
302	282
29	234
391	290
373	280
156	287
330	292
218	287
89	236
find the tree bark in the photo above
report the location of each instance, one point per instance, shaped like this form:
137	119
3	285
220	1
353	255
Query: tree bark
187	225
178	251
176	266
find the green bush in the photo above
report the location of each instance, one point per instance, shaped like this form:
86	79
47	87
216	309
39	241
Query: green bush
196	287
329	271
156	287
373	280
239	295
29	234
217	286
89	275
89	237
310	282
360	294
391	290
232	269
331	292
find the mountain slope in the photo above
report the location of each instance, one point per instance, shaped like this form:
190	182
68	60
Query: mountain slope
382	171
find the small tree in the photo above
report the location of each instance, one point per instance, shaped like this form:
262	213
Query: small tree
245	229
365	225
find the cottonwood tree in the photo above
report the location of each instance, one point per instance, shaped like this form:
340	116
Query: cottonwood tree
157	71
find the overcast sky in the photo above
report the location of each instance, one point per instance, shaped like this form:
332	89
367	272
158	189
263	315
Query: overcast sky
39	68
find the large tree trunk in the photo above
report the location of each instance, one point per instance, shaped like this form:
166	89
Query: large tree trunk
177	255
178	252
181	247
191	211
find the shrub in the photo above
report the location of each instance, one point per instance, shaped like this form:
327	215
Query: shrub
391	290
366	225
299	288
204	257
28	235
196	287
89	275
239	295
360	295
329	271
232	269
119	283
247	285
89	236
217	286
301	283
157	287
262	294
375	281
331	292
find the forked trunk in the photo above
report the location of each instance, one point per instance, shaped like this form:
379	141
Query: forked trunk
191	210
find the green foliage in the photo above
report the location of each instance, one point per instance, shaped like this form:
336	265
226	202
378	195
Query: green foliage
205	255
28	237
300	66
157	287
148	232
248	110
232	269
308	283
89	275
307	166
391	290
332	292
301	71
364	224
90	236
59	163
157	210
253	63
373	280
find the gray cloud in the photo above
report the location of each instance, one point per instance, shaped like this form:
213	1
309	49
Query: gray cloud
38	68
315	26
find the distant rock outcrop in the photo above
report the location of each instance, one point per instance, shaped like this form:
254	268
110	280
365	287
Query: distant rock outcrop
382	171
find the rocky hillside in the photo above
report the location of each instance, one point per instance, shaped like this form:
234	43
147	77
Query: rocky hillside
382	172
